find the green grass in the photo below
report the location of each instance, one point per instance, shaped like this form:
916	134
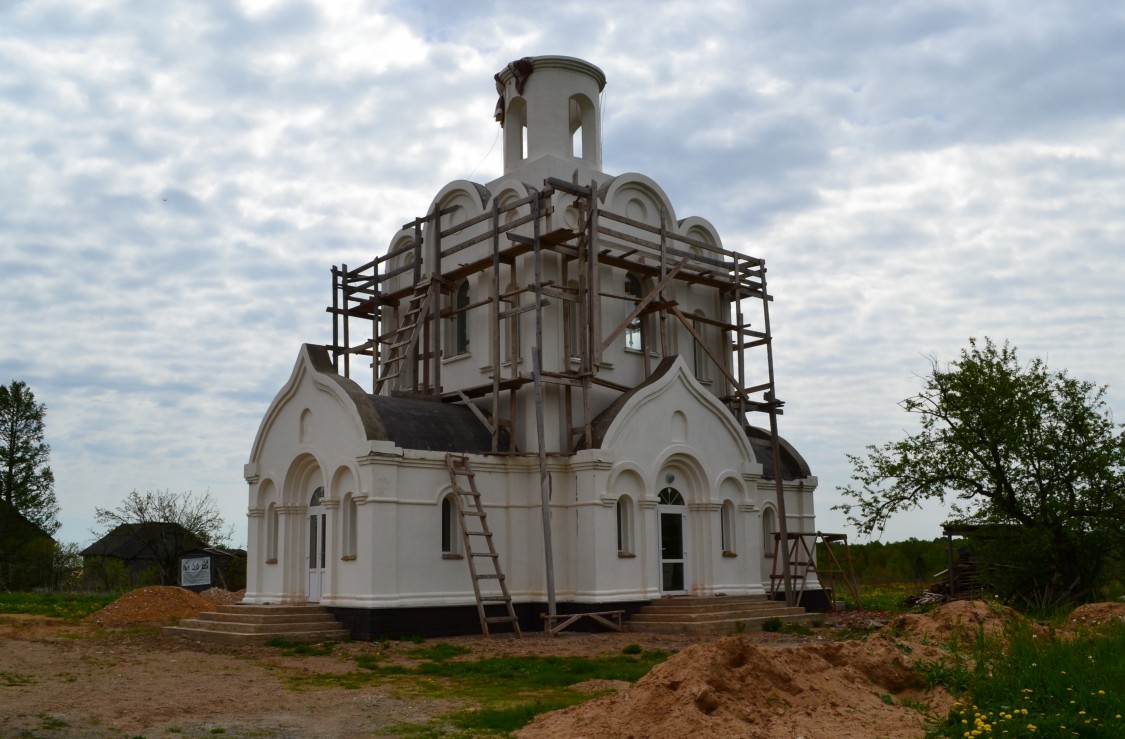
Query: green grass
505	692
884	597
438	652
772	624
302	649
1030	684
73	606
12	679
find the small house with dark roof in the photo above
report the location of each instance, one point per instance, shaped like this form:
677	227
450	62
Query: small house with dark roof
26	551
548	383
148	550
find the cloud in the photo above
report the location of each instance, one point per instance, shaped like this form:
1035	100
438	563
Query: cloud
178	181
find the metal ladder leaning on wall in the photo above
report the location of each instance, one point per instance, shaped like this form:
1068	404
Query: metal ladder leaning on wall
458	466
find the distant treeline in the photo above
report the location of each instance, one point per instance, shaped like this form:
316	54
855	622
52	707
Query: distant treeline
877	563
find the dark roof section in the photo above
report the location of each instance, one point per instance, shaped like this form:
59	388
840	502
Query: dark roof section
131	541
427	425
14	526
433	426
793	465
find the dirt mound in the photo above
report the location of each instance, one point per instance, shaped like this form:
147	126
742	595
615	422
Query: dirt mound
221	597
841	690
1097	614
152	604
963	618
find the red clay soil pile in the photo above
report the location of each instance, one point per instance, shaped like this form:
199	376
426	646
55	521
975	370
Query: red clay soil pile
155	604
729	688
1097	614
963	618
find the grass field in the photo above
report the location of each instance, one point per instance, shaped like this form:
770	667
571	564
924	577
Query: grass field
1036	684
73	606
508	692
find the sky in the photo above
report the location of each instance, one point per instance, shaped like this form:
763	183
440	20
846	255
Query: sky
178	178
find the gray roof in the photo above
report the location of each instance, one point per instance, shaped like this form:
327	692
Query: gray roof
433	426
411	423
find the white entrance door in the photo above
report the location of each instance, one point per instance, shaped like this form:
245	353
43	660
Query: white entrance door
673	542
318	524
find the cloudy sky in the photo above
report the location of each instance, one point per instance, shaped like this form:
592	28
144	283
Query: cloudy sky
177	178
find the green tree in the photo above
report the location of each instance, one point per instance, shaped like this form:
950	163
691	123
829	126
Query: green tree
1031	455
26	480
165	524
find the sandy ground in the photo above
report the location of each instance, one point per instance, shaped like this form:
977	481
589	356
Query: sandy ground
107	678
110	677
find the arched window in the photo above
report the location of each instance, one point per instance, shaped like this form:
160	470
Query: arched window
457	329
351	539
624	525
671	496
726	522
271	533
769	526
515	131
317	497
634	332
449	538
583	128
701	362
573	329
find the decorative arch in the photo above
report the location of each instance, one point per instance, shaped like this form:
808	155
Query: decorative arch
507	192
401	249
469	199
633	404
343	482
627	480
699	229
643	194
686	476
304	476
731	487
266	493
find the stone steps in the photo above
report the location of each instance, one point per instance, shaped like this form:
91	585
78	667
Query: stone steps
718	614
255	625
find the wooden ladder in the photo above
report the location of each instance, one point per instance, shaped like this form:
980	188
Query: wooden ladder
403	340
458	466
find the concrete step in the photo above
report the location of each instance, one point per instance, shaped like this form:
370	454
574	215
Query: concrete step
250	624
226	637
719	626
696	600
258	618
657	616
274	628
716	607
269	610
712	615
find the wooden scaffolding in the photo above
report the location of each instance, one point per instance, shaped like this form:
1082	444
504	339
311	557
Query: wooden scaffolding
397	324
835	570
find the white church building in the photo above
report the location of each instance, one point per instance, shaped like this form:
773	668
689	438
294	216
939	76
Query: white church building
559	346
